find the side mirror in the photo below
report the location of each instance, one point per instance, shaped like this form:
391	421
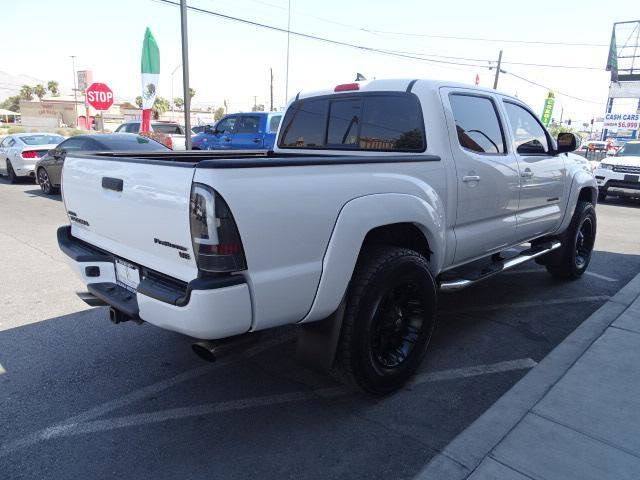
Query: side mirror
568	142
209	130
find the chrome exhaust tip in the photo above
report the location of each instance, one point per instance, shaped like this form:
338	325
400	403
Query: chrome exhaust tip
211	350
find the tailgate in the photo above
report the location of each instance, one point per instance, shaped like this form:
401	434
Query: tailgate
136	210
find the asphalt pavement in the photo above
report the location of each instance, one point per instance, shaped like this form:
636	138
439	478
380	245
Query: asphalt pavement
81	397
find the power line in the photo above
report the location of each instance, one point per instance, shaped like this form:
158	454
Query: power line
491	61
365	48
552	89
315	37
480	39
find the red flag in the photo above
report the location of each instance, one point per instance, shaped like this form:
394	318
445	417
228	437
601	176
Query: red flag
477	79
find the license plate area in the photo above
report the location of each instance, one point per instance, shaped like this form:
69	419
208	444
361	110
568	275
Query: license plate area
127	275
631	178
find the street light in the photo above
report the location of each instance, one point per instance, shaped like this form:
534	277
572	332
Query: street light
173	104
286	82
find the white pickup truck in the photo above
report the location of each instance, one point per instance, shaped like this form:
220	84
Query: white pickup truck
378	196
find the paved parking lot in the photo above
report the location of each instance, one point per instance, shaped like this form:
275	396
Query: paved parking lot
80	397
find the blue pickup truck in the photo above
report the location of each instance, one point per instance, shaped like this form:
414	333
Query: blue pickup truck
240	131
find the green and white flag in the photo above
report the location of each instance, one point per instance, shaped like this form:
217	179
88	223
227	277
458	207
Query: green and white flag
150	69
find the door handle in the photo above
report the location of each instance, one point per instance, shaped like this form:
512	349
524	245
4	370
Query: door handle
257	140
227	139
527	173
471	178
111	183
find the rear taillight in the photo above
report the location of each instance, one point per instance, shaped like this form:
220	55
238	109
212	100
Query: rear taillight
30	154
214	233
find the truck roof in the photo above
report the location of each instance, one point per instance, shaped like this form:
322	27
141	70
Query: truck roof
394	85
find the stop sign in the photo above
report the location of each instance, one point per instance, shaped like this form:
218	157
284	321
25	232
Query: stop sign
99	96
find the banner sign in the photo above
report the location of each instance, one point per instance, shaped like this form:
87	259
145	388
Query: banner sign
625	121
547	111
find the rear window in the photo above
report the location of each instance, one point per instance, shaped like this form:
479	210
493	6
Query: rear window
374	121
168	128
41	139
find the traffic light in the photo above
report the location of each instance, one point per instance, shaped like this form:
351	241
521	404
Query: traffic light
592	121
569	122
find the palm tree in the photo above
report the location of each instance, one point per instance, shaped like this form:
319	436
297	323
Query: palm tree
192	93
26	93
139	101
53	87
160	105
39	91
178	102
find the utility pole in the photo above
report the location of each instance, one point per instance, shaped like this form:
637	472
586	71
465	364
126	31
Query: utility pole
271	90
75	89
286	83
495	80
185	74
255	103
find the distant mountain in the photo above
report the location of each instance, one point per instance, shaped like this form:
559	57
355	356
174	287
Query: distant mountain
10	84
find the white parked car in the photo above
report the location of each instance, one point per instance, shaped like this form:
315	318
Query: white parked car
378	196
19	153
620	174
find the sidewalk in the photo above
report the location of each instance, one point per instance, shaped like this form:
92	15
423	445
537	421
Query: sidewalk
574	416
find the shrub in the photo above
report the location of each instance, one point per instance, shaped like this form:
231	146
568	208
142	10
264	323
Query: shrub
16	130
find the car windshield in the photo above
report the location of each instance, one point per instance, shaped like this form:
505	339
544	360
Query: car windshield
41	139
129	142
629	149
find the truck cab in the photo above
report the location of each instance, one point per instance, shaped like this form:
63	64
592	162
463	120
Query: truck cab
240	131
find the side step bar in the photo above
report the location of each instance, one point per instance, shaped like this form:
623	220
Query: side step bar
501	266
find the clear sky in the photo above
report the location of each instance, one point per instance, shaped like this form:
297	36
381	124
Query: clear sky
231	60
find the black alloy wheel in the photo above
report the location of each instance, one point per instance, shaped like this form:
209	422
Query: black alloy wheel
44	181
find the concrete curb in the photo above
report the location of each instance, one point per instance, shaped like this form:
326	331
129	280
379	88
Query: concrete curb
465	452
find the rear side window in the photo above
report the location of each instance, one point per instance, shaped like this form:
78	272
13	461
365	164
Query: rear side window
129	127
477	124
78	143
377	122
274	123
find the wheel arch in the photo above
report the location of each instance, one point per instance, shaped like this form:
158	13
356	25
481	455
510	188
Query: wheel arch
583	188
395	219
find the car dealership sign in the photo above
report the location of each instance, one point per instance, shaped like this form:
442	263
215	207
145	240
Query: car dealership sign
627	121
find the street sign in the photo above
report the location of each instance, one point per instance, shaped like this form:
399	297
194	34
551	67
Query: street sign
99	96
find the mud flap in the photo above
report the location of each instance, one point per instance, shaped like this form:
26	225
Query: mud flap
318	341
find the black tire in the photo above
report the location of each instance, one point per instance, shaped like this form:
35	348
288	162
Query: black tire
602	195
389	318
571	260
43	179
11	174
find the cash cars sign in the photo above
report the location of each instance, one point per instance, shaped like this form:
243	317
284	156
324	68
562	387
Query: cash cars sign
627	121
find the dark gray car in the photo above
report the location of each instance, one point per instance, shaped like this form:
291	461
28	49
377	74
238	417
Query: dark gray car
49	167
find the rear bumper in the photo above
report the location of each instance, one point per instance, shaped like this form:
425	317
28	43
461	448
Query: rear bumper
206	308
